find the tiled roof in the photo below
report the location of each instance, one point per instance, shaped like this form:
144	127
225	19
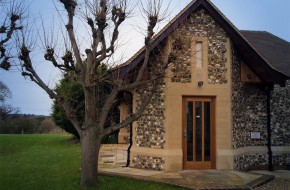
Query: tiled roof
273	49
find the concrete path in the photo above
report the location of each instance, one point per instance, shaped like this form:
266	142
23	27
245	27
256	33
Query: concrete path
276	173
281	181
196	179
112	158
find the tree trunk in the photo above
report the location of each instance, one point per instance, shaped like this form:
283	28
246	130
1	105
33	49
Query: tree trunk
90	145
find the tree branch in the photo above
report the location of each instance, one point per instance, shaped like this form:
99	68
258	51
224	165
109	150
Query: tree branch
118	16
136	115
108	106
8	31
7	110
31	73
68	60
127	87
71	114
70	6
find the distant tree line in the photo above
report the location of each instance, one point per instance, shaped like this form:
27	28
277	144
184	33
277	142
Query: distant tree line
28	124
6	110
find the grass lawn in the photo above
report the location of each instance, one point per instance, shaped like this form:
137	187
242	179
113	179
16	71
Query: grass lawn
52	162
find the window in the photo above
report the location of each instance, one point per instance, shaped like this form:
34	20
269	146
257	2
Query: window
198	48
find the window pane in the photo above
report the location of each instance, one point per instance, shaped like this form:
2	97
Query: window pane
207	131
189	115
198	131
198	48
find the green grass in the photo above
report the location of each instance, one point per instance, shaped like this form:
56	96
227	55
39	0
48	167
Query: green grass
52	162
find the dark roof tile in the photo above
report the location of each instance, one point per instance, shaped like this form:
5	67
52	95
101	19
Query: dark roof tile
273	49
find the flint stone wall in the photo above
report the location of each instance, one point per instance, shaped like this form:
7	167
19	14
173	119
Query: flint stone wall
260	161
150	127
149	162
249	109
249	113
199	24
280	116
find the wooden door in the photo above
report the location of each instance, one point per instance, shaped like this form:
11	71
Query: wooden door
198	133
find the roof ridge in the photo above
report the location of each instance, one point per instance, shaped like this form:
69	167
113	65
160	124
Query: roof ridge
278	37
263	57
269	33
253	30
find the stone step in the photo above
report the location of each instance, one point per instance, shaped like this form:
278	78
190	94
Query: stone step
113	155
109	162
106	155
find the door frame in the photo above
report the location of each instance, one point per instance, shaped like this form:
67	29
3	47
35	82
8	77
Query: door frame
205	164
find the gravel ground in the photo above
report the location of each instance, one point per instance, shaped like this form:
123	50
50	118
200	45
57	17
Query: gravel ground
276	184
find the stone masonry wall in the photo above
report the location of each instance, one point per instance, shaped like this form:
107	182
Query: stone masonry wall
280	116
260	161
199	24
148	162
180	58
150	127
249	111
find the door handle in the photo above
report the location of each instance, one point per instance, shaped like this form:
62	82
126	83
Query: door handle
185	133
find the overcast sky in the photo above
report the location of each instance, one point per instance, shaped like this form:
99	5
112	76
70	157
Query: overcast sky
263	15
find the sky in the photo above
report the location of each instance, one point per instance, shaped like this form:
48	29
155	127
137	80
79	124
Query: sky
267	15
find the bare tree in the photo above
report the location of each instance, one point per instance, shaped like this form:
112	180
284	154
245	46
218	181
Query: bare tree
9	25
4	92
101	84
6	110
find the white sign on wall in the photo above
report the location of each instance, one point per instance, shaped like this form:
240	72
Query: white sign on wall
255	135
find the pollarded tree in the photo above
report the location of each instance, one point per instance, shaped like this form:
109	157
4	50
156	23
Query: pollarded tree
101	87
